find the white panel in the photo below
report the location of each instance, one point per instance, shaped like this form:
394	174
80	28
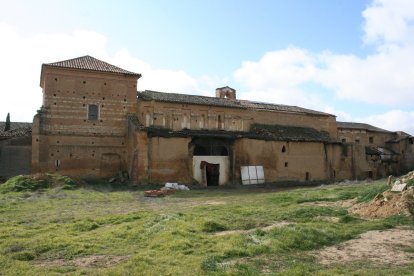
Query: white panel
245	175
260	175
252	172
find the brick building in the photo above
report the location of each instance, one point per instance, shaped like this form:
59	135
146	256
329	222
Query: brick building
94	123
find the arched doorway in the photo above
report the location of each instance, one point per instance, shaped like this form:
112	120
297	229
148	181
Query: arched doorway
211	160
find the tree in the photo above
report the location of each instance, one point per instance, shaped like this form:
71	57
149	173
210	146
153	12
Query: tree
7	126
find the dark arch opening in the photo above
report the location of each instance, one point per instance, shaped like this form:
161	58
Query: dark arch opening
283	149
200	151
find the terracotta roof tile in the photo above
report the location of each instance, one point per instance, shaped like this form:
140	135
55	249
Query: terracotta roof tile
92	64
17	129
363	126
149	95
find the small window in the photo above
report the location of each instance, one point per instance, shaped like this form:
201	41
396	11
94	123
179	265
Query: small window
286	164
411	141
343	140
283	149
357	141
307	176
344	150
57	163
371	140
93	112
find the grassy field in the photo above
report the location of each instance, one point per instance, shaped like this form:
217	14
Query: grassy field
98	230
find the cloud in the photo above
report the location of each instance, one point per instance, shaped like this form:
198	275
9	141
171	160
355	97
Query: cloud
389	22
21	58
385	77
393	120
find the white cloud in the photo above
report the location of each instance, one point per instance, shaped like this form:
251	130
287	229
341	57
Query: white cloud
393	120
385	77
389	21
21	58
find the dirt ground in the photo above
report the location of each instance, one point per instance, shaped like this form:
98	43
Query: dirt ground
381	247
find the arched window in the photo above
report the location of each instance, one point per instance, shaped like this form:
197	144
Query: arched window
283	149
147	119
93	112
220	122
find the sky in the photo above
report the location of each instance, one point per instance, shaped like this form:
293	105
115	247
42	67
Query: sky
350	58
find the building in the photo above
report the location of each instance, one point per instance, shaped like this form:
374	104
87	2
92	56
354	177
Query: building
15	149
94	123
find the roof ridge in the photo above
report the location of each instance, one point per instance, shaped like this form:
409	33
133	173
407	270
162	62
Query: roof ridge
88	62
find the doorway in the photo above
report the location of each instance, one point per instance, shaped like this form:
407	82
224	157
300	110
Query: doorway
212	174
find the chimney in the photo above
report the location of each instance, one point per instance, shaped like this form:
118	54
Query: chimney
226	93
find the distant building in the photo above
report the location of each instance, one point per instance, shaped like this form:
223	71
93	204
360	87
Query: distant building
94	123
15	149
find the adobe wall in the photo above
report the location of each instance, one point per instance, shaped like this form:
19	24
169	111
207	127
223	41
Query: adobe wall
169	160
292	164
363	136
178	116
65	140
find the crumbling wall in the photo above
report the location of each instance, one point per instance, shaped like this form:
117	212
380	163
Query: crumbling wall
282	161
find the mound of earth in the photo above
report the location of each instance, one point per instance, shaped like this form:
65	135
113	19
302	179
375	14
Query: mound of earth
387	204
34	182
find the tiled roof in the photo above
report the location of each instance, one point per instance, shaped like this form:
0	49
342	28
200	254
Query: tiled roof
149	95
363	126
92	64
16	130
257	131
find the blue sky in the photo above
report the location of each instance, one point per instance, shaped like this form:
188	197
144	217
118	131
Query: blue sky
352	58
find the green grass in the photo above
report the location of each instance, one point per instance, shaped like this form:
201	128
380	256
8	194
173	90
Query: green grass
47	231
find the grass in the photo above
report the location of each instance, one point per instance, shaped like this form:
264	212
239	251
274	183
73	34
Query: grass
47	231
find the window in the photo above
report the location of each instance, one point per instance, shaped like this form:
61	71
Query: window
357	141
371	140
93	111
344	150
286	164
307	176
343	140
283	149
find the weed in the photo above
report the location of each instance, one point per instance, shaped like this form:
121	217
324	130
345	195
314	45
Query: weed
213	226
372	192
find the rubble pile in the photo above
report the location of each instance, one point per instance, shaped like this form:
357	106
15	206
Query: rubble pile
397	201
169	188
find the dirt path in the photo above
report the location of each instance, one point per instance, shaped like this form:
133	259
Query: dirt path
382	247
267	228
